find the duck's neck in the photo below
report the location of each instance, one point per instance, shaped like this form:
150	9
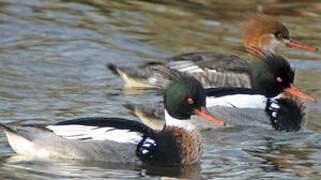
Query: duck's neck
254	56
179	123
186	137
271	45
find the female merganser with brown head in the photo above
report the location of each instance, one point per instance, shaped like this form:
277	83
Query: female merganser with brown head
211	68
267	33
121	140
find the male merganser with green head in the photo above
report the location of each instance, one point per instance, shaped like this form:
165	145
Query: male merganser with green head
121	140
265	105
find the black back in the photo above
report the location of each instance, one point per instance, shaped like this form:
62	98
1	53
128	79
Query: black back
225	91
117	123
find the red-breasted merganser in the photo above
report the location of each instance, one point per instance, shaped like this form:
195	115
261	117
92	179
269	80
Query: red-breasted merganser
242	106
121	140
237	107
211	68
270	74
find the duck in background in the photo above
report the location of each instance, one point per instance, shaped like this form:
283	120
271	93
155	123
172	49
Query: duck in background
282	113
211	68
121	140
269	107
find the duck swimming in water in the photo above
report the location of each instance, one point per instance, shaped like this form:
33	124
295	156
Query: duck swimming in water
122	140
211	68
267	106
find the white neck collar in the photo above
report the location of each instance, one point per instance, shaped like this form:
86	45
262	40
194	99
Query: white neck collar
184	123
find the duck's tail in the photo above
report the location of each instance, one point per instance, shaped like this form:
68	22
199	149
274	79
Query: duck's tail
6	128
137	77
113	68
18	142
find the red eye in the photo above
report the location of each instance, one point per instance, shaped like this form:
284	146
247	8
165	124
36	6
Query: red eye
278	79
190	101
279	35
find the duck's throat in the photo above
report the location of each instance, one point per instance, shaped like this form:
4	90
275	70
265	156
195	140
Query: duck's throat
185	124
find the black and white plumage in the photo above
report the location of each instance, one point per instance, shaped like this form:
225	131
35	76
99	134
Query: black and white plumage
239	107
248	107
270	74
120	140
98	139
287	112
101	139
113	129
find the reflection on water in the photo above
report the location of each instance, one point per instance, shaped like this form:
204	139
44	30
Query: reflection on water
30	169
52	67
19	166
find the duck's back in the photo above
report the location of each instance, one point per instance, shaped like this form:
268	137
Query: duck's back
213	69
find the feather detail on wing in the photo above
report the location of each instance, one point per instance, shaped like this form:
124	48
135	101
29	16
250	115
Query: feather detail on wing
82	132
215	72
118	130
210	61
185	66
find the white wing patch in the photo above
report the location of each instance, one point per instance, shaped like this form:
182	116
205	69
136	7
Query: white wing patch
211	70
190	67
96	133
185	66
238	101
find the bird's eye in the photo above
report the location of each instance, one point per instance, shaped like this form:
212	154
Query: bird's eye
190	101
279	35
278	79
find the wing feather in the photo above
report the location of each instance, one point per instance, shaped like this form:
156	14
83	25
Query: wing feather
113	129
